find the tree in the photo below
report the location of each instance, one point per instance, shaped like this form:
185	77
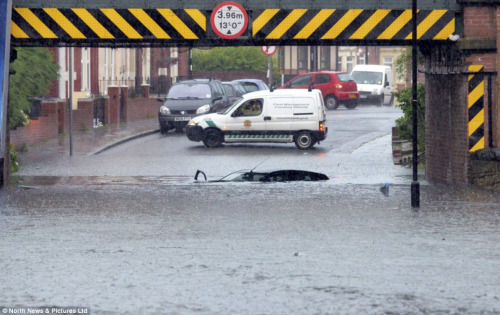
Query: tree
231	59
34	72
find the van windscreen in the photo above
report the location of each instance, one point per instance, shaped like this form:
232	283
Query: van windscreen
367	77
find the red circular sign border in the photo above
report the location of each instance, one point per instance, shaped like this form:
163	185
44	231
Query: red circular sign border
212	18
268	54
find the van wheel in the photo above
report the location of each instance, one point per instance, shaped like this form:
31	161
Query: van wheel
381	100
304	140
213	138
351	105
391	101
331	102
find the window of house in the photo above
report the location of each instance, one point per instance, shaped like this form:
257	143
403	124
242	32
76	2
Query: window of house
146	55
362	58
302	57
388	61
339	63
349	63
85	74
281	54
324	61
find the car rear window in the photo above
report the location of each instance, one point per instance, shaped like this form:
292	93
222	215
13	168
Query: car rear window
344	77
250	87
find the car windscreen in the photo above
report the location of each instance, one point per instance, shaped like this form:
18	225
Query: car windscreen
191	90
367	77
344	77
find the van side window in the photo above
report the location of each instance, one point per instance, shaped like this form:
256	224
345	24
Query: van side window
250	108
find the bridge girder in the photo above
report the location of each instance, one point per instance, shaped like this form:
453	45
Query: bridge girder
191	23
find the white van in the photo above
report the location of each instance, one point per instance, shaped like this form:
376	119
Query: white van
375	82
284	116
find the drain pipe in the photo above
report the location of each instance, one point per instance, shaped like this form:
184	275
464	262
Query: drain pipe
415	185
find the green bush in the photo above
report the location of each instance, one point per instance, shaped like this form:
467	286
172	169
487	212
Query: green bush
14	166
404	124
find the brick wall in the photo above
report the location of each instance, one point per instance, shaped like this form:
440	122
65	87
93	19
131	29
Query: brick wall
480	22
41	129
446	128
141	108
54	118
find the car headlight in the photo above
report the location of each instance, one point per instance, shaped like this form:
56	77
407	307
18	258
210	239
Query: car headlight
203	109
375	92
191	123
164	110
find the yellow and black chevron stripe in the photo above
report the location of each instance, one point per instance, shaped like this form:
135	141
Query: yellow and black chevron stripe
355	24
476	108
92	25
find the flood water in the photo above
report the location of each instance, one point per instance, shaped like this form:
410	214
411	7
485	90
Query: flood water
251	248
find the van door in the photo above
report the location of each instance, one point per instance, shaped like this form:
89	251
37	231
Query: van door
279	119
305	113
246	123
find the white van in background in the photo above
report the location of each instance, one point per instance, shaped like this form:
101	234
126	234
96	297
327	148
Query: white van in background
286	115
375	82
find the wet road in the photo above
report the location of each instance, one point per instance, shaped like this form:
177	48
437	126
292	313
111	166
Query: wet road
120	240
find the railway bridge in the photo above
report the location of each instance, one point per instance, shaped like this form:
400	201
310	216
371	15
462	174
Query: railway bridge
458	39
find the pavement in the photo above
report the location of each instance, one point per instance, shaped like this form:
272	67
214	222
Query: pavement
96	140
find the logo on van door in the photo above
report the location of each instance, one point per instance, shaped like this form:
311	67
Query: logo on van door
247	124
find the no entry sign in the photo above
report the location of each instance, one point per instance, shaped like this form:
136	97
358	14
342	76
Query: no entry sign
268	50
229	20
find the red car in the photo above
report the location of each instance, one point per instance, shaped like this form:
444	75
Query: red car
336	87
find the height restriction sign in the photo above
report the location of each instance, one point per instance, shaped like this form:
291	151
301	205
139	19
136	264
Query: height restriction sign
229	20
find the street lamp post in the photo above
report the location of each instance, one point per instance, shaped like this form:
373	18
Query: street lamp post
415	185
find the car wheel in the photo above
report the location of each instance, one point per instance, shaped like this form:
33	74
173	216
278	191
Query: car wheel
304	140
163	129
351	105
213	138
331	102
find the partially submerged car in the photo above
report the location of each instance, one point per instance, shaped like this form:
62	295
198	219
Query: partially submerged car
273	176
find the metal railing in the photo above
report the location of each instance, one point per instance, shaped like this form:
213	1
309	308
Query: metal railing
158	85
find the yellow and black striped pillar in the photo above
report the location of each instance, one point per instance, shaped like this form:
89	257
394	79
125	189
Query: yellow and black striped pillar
475	105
